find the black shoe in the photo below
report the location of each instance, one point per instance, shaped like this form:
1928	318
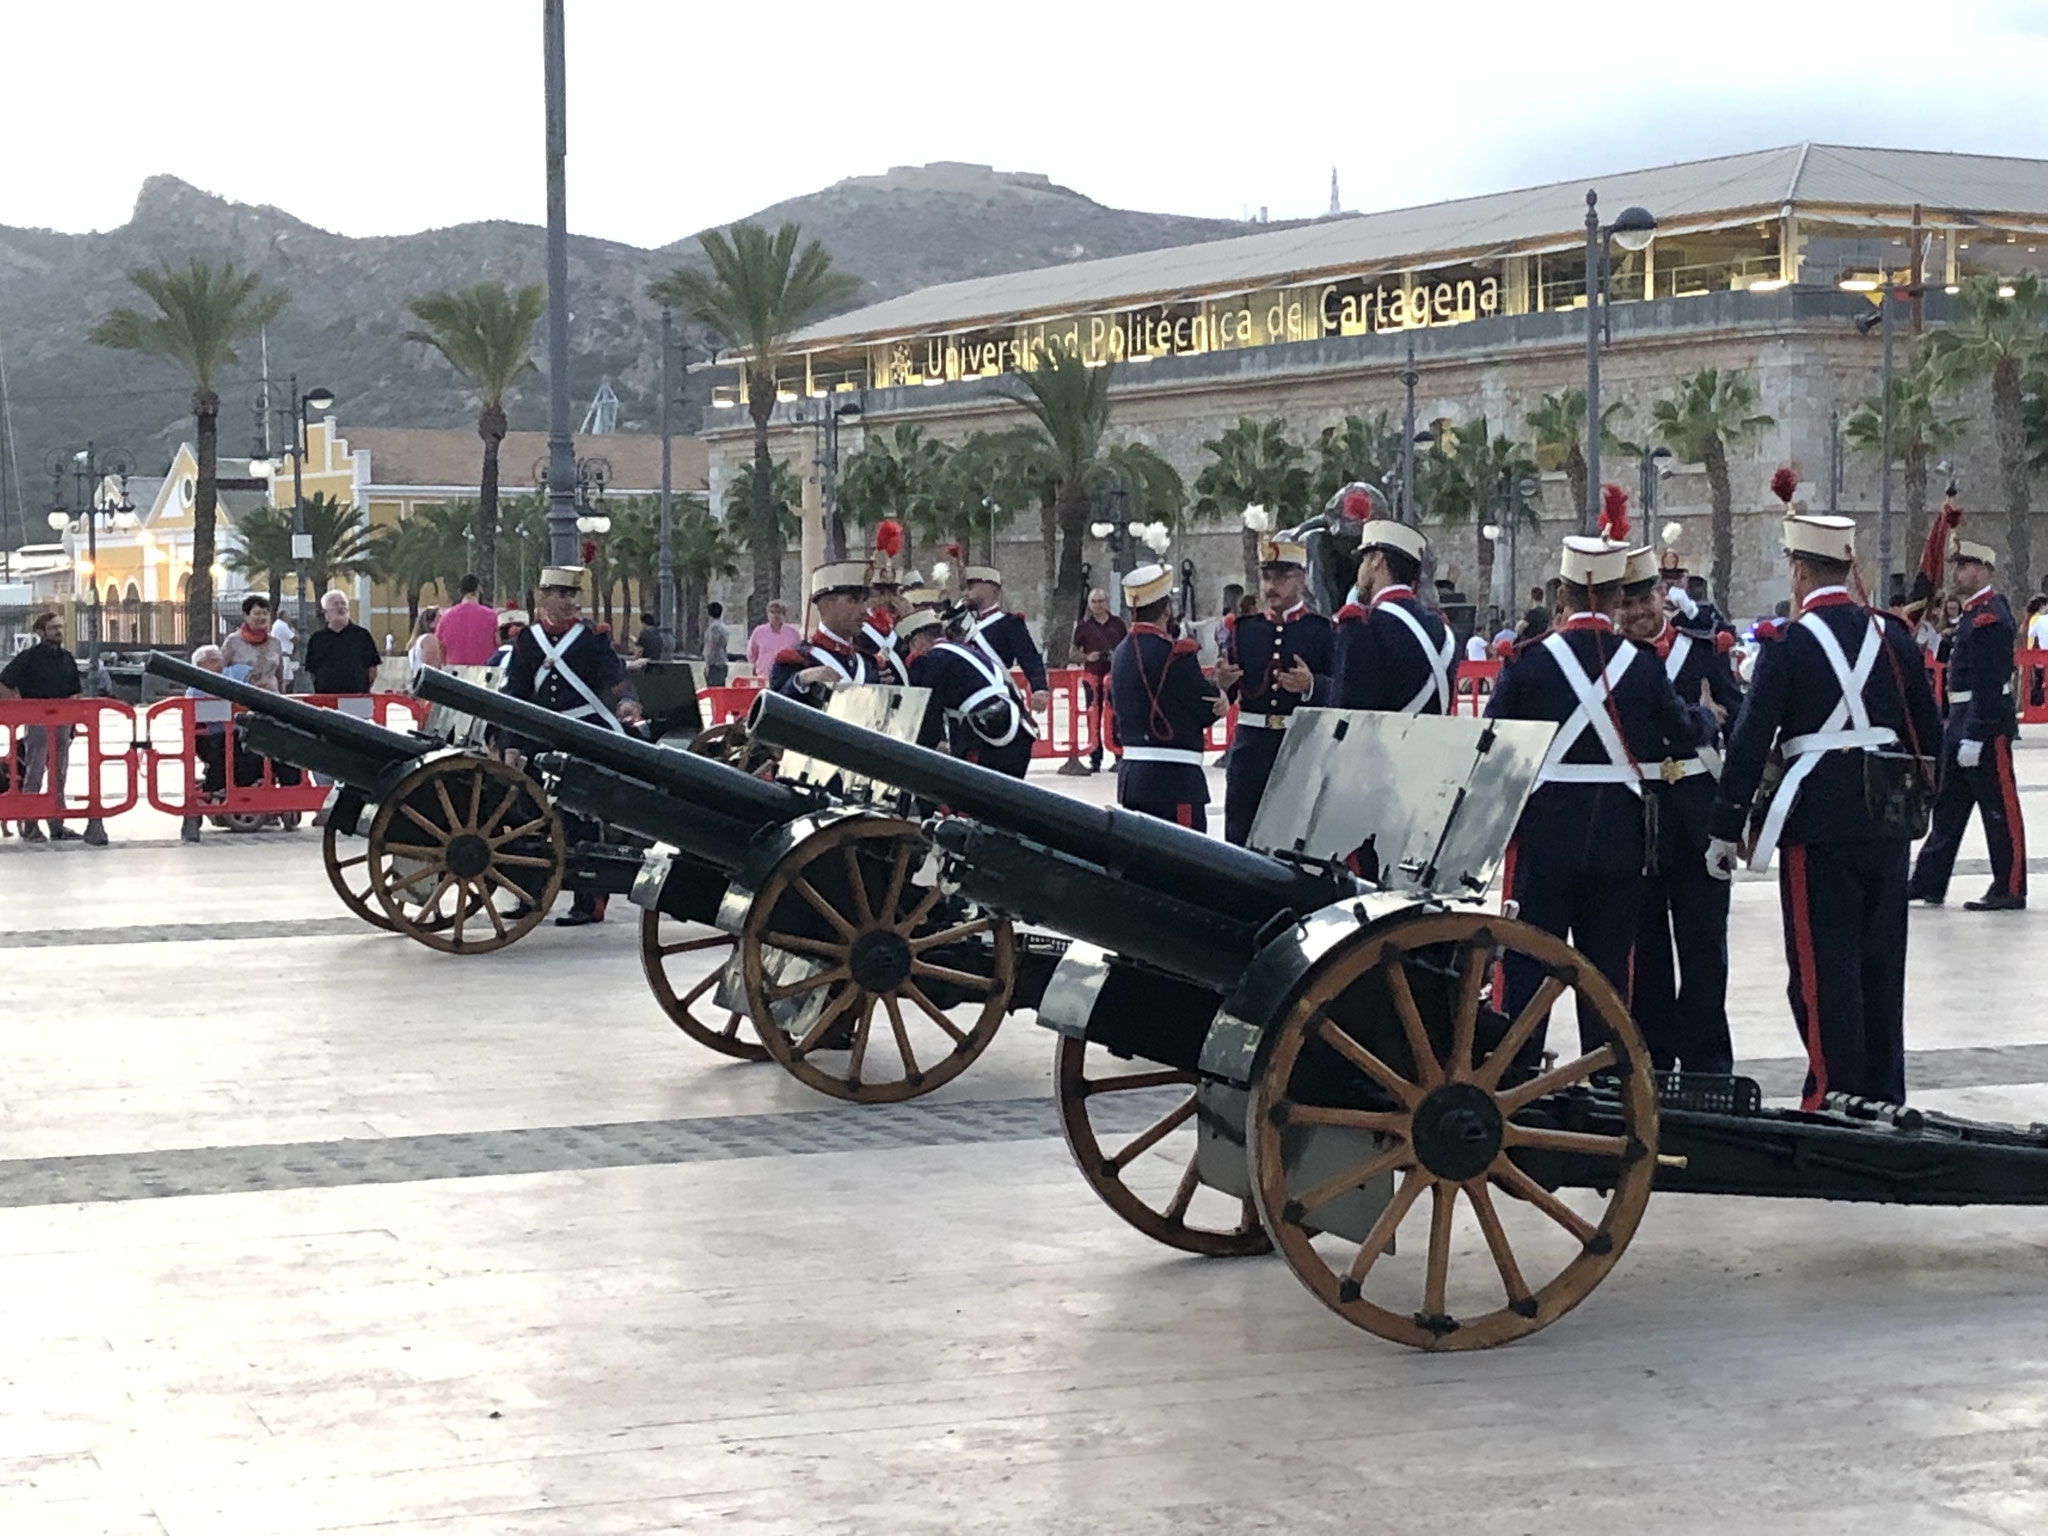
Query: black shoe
1996	904
59	833
1072	768
1928	897
31	833
578	919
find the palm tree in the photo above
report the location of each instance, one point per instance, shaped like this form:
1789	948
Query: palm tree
785	491
1712	410
265	552
1557	437
900	475
202	310
1472	475
1998	336
760	291
1253	465
632	550
1151	490
429	548
342	542
1354	449
1070	402
1920	431
991	477
2034	418
703	549
483	331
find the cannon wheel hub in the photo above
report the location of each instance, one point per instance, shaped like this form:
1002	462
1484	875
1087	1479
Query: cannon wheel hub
1457	1131
468	855
879	960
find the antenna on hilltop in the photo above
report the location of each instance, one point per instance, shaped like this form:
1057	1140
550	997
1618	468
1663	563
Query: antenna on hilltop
602	419
1335	206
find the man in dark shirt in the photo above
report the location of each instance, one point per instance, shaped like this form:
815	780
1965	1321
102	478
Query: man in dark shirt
341	656
1098	633
1536	622
46	670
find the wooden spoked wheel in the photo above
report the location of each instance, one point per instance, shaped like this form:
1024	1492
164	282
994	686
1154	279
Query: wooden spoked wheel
349	874
1147	1113
695	1011
1391	1062
466	855
840	941
731	744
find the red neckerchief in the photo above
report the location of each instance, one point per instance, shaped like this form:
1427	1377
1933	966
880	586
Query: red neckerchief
1156	721
1976	599
1398	589
825	640
882	619
1662	641
252	637
1827	597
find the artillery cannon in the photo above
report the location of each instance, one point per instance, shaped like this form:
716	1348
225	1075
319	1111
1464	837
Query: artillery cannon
830	923
1316	1055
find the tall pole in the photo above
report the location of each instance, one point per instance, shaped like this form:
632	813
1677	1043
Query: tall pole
664	568
299	509
561	447
88	496
1834	462
1591	510
1406	512
1884	448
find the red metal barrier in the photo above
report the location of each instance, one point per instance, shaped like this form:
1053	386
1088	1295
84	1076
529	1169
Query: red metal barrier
105	728
185	738
2032	677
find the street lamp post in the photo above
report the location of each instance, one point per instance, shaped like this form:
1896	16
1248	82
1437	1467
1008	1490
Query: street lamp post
1631	231
1405	511
664	554
1650	468
826	425
561	480
317	398
89	469
1882	322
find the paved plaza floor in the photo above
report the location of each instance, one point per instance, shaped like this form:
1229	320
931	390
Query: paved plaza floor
304	1227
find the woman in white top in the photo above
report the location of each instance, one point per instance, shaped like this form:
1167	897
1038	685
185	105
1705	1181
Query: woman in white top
425	650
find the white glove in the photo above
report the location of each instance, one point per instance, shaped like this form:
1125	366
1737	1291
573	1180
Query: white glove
1720	858
1682	601
1969	753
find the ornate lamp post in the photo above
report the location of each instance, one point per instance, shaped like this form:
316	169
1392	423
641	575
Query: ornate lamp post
315	399
89	468
1632	231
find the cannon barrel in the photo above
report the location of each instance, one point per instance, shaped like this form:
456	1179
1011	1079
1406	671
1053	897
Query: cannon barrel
1193	868
327	725
718	788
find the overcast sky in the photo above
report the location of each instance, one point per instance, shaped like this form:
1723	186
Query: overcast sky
418	113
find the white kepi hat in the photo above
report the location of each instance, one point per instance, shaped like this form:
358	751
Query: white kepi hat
1970	549
1589	561
840	576
562	576
1385	533
1147	584
1822	536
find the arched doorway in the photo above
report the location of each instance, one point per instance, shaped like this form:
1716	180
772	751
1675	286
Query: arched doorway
131	614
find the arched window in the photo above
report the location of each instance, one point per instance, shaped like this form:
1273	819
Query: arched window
131	614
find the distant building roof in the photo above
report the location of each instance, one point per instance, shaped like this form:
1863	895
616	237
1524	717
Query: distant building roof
1817	177
453	456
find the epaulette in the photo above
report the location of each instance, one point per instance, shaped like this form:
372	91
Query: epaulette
1230	623
882	620
1185	647
1352	613
791	659
1772	629
1018	615
1724	641
1984	616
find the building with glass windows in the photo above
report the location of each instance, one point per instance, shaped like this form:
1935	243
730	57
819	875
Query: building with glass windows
1759	263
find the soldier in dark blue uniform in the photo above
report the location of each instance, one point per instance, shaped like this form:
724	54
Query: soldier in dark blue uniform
811	669
1003	632
975	710
1575	866
1392	653
1842	693
561	663
1976	764
1164	707
1682	1007
1273	663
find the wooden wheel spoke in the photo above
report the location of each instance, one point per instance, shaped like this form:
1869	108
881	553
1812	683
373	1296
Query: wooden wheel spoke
524	829
855	1061
691	946
1545	1140
1396	1156
522	860
1428	1072
1576	1070
915	993
476	798
1526	1023
967	981
1153	1134
824	908
1379	1122
1165	1078
857	884
732	1025
498	812
361	858
1481	1197
522	896
899	869
1403	1090
436	833
407	851
1176	1209
1382	1230
462	909
1444	1198
776	994
911	1070
951	935
406	882
1465	1017
691	996
1519	1183
798	944
826	1020
921	911
433	902
455	822
483	899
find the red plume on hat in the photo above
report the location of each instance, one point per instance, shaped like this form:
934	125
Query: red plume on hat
953	550
1357	507
589	550
888	538
1613	513
1784	483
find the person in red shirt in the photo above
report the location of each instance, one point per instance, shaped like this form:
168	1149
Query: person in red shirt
468	632
1098	634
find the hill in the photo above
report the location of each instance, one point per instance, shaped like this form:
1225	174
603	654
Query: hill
910	228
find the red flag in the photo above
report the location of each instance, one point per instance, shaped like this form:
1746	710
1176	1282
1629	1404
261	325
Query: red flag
1933	557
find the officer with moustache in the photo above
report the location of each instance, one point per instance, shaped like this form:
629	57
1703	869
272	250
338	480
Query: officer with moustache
1003	633
1575	865
1983	723
1392	653
1274	662
1841	692
1681	1005
1163	706
810	670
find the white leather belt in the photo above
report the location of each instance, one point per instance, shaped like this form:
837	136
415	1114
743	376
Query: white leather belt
1162	755
1836	741
1591	773
1279	722
1672	769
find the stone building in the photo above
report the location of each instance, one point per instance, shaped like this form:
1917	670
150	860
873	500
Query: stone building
1760	263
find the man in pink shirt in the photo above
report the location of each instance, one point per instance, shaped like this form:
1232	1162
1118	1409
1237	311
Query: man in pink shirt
778	634
468	632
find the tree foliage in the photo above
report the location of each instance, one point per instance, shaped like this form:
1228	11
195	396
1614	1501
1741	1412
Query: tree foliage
1707	413
1252	464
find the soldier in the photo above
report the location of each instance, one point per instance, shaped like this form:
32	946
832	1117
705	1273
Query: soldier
561	663
1163	707
1843	693
975	707
1273	663
1976	766
811	669
1005	636
1575	866
1683	1011
1392	653
877	635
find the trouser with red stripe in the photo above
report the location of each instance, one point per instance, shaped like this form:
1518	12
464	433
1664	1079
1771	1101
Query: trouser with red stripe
1845	943
1595	910
1682	1008
1182	813
1990	789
